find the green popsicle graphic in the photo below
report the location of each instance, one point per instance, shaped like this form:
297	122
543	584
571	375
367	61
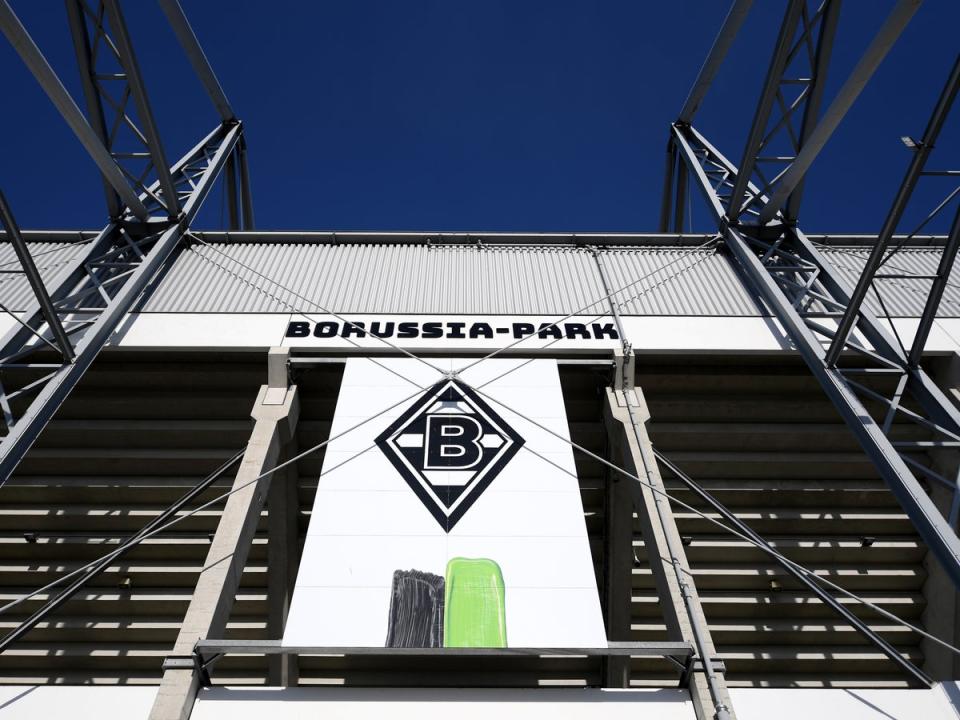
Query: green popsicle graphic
474	604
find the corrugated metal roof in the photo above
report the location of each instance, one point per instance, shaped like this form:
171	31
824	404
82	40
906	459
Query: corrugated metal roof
902	297
460	279
469	279
52	260
676	282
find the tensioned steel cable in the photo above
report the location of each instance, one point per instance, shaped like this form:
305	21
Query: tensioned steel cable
118	551
770	551
214	501
326	311
765	548
608	296
294	293
692	509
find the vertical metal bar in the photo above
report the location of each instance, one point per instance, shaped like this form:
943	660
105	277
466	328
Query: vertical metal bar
828	31
35	61
198	59
924	148
230	188
930	524
728	31
650	473
16	443
682	185
667	198
36	282
879	47
770	86
95	116
245	193
947	258
145	114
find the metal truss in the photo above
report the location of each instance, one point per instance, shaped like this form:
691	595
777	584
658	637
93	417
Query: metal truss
786	134
879	381
151	205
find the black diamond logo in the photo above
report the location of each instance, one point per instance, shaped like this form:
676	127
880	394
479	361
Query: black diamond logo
449	446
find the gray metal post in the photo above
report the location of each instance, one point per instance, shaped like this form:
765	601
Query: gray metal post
626	415
666	200
33	277
682	186
947	258
230	188
246	195
219	581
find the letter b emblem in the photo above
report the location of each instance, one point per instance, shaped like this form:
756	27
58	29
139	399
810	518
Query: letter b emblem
452	442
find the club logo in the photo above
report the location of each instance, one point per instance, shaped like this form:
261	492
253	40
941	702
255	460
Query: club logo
448	447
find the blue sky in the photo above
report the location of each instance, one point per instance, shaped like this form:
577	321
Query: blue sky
495	115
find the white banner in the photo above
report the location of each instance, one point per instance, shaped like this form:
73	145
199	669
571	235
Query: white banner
447	530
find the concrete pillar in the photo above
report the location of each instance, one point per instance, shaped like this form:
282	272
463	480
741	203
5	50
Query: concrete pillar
941	616
632	450
618	571
275	414
283	504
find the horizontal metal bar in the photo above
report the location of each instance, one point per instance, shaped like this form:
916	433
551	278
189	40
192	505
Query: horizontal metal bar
275	647
309	360
321	237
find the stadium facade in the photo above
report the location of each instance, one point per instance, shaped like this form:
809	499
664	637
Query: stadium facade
676	475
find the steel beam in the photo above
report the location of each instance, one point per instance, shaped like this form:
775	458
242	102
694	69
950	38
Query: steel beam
762	114
721	45
846	96
198	59
212	647
246	195
95	114
44	302
818	82
914	170
26	429
666	201
35	61
131	68
930	524
947	258
626	414
230	189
